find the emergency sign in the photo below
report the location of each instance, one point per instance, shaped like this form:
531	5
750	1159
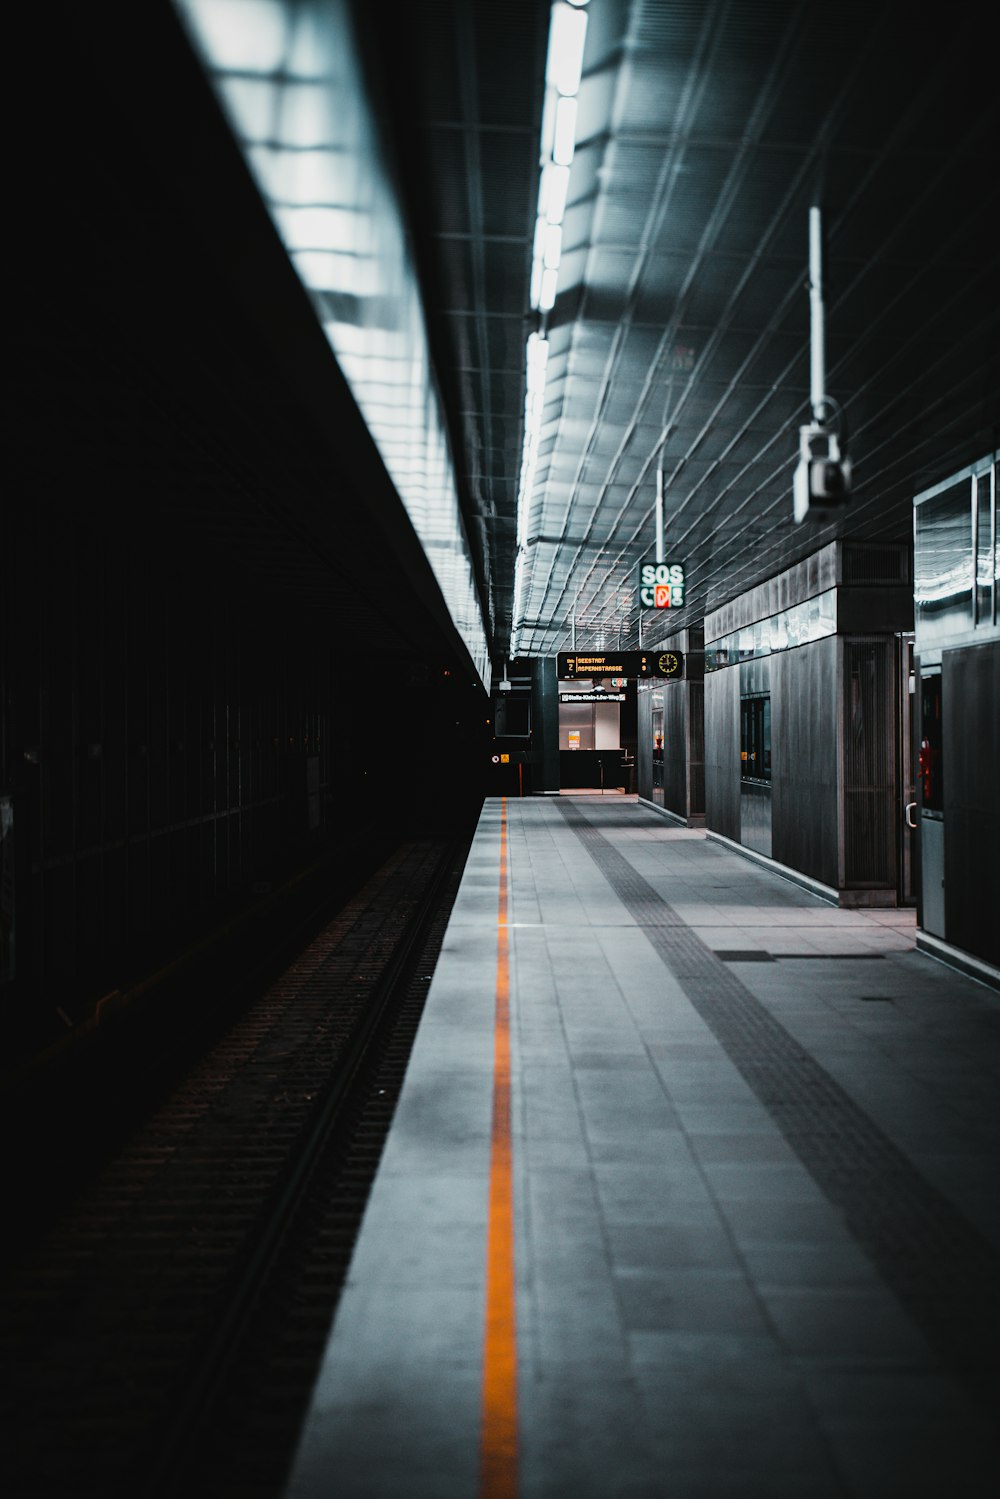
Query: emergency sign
661	585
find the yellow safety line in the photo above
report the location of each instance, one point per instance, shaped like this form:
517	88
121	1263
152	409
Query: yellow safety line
498	1442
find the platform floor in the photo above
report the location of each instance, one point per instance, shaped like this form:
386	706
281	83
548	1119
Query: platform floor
755	1183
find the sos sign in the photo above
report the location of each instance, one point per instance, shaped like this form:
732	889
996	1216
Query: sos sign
661	585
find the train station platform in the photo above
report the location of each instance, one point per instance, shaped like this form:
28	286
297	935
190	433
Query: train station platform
726	1227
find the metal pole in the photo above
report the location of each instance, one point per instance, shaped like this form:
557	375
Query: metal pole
659	514
573	629
817	379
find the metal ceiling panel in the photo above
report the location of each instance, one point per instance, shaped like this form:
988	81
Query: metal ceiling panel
679	333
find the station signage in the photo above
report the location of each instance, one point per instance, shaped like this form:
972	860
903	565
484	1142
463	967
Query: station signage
661	585
663	664
592	697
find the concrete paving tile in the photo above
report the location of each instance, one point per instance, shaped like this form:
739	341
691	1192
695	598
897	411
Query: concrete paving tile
380	1330
653	1355
400	1199
756	1224
550	1119
693	1082
567	1262
552	1154
710	1481
694	1299
621	1055
431	1253
560	1199
916	1464
381	1436
724	1116
420	1156
621	1146
574	1324
582	1437
761	1181
629	1086
733	1148
878	1400
847	1322
640	1194
692	1240
803	1267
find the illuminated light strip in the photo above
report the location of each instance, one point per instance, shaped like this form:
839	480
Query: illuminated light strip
563	67
498	1452
563	70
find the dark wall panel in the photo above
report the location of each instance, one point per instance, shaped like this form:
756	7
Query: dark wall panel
971	704
870	808
675	749
804	732
722	752
644	745
696	748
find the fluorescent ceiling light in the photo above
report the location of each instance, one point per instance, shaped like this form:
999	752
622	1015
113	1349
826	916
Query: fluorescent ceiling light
541	229
325	270
309	116
553	247
252	104
566	38
319	228
547	295
240	36
548	122
564	142
554	190
318	176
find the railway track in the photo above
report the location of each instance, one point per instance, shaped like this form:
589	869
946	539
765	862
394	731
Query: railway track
163	1335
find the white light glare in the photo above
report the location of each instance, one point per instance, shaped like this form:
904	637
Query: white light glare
553	247
239	36
547	294
564	142
538	358
554	192
565	59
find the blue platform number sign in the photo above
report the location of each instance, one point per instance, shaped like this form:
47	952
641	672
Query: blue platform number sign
661	585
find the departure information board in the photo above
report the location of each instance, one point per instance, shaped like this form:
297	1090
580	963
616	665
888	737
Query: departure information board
662	664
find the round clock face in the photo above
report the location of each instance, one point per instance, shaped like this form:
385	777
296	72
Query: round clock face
668	662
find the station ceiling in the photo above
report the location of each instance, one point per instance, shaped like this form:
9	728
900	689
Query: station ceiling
679	335
161	339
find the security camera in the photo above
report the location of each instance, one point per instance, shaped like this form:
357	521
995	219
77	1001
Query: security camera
822	483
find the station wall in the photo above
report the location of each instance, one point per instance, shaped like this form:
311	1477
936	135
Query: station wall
957	646
803	733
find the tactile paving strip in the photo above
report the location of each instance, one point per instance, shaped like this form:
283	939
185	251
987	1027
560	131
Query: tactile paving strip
940	1266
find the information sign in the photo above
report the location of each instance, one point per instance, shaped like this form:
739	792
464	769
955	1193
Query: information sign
592	697
663	664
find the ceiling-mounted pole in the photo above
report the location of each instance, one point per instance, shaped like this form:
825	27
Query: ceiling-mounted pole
659	513
817	380
821	484
572	622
